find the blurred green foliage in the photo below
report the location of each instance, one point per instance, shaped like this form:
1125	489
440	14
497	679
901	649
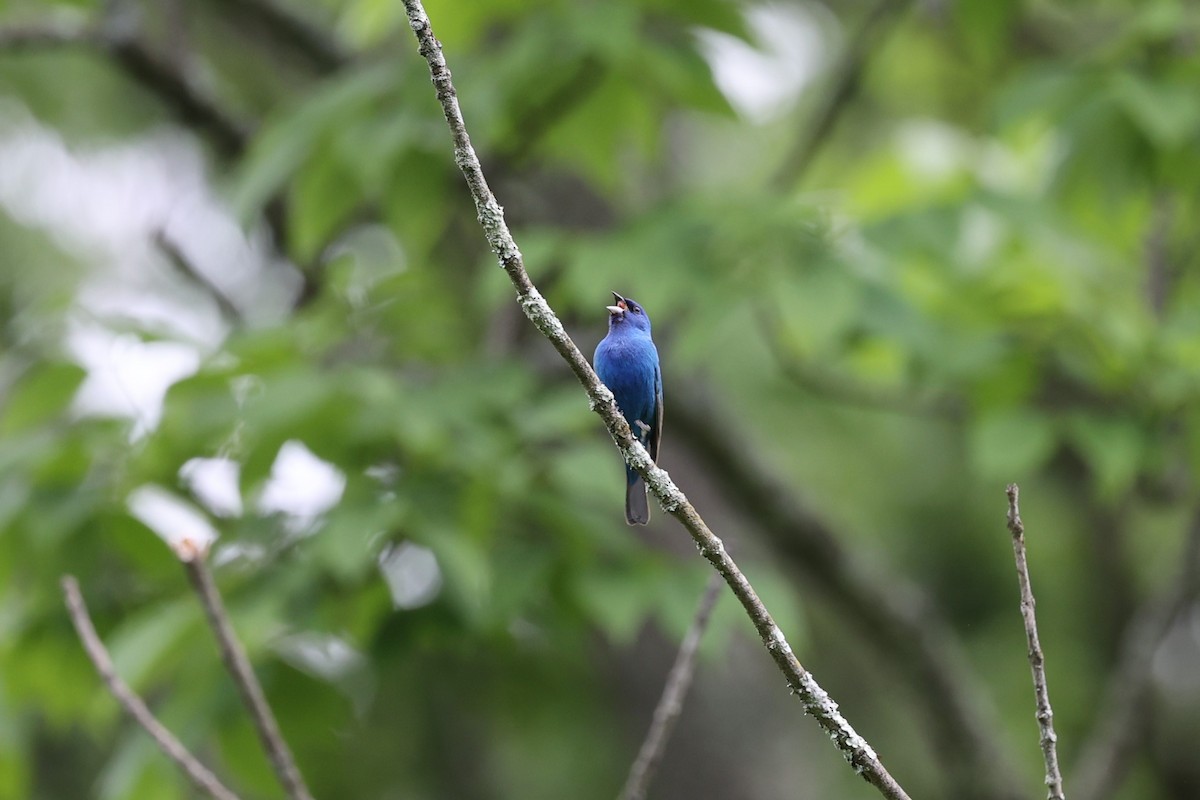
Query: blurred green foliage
989	274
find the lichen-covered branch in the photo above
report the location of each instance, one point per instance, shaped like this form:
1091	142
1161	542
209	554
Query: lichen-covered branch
853	747
897	616
1037	661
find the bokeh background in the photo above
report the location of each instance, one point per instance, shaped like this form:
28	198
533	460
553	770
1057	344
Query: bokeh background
897	254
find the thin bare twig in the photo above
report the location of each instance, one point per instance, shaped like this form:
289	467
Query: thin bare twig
1157	248
1125	711
1037	661
670	705
200	776
195	563
184	266
853	747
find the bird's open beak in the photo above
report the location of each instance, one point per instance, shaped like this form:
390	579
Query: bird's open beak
620	307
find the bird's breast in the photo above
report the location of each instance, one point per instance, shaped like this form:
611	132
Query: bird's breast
628	365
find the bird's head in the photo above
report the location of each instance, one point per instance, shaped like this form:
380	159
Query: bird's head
627	314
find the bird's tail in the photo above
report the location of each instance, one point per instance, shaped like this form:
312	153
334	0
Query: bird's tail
637	510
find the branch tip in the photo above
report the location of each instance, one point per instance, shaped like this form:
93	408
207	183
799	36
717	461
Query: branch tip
188	550
1015	526
1037	660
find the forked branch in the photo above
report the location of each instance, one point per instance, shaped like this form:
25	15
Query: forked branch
195	563
200	776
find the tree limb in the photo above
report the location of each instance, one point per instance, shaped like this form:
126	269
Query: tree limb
1157	248
1037	661
897	616
847	76
537	116
176	88
200	776
184	266
276	21
195	563
491	217
666	713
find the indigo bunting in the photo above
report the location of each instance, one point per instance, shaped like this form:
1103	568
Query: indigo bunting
627	362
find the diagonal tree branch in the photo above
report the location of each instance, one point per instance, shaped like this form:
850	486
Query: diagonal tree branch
276	21
179	91
670	705
537	116
174	86
491	217
897	616
184	266
847	76
195	563
200	776
1037	661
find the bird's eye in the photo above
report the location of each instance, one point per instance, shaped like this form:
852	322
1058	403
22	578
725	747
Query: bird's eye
635	309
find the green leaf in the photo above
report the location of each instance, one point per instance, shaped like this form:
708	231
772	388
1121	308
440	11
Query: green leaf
986	28
324	195
1167	113
41	395
126	769
1113	448
468	573
286	144
15	772
616	601
1010	444
353	533
145	640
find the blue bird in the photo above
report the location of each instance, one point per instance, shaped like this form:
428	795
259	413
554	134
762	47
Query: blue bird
627	362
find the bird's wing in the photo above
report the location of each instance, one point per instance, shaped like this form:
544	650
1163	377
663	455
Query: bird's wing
656	434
